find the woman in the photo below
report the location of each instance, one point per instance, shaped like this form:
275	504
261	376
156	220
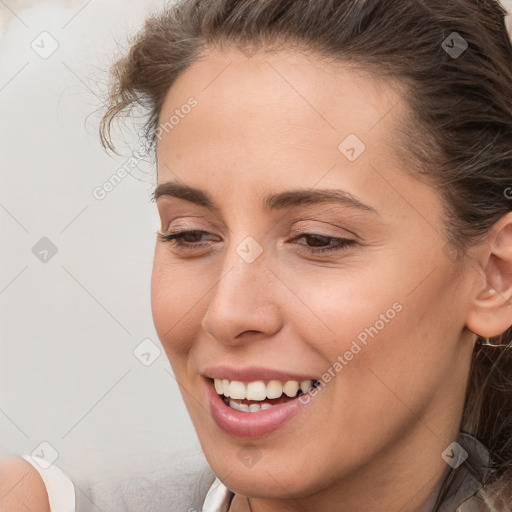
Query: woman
333	274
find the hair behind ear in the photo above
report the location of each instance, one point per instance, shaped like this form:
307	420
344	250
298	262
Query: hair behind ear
488	412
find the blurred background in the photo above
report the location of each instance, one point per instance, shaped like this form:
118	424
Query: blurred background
84	381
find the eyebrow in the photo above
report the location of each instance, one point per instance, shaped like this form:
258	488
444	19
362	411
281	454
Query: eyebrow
274	201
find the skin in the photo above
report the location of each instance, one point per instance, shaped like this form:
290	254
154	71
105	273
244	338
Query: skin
372	439
21	487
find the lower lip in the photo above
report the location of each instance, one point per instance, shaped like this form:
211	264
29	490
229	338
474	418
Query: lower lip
251	424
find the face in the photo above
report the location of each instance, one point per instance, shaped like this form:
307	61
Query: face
311	255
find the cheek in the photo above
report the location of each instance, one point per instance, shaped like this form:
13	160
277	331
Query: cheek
408	355
378	332
176	303
335	306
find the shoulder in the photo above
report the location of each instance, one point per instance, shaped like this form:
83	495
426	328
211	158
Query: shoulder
21	487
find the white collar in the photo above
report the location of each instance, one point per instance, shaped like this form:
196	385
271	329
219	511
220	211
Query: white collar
218	498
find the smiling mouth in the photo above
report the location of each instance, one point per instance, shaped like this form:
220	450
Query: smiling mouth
260	395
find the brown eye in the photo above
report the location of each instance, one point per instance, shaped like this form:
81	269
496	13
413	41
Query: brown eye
185	239
321	243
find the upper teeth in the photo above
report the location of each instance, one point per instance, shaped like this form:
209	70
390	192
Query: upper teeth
258	390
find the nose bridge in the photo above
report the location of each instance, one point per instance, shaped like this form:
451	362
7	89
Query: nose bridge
242	299
243	268
241	277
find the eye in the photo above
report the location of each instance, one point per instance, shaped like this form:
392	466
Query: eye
190	240
184	239
322	244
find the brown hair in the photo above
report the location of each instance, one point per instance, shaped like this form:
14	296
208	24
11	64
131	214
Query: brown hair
459	132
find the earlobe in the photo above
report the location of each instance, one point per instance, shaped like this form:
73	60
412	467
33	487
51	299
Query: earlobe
491	311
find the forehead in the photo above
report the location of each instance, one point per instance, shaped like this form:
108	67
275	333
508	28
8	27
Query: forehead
276	100
281	121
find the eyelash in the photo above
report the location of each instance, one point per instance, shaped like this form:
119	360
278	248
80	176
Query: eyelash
343	243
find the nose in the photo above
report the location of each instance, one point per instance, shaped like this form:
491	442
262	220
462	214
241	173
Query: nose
244	304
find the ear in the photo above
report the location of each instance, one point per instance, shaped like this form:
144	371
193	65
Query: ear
491	309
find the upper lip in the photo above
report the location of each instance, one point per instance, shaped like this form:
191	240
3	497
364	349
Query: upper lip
252	373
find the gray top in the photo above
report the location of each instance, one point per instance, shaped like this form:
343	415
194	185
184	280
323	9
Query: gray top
178	486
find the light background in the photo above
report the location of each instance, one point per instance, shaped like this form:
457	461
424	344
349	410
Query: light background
69	326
